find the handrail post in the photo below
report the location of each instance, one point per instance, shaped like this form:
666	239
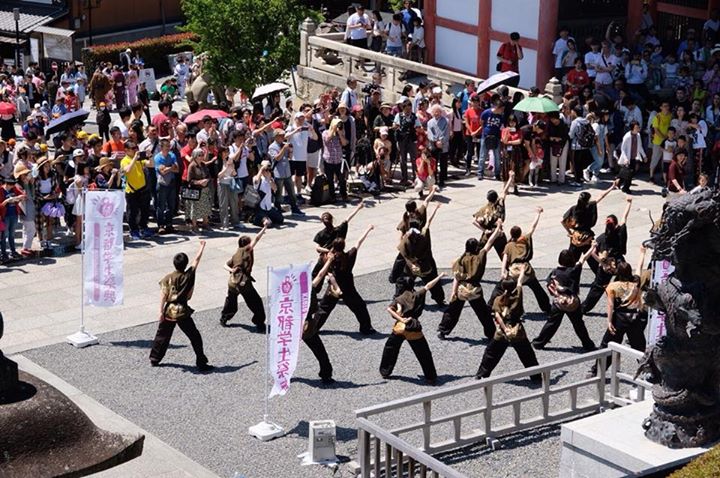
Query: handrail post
364	452
601	382
308	28
546	393
614	368
488	409
427	417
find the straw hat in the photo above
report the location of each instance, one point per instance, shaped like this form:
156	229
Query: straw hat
104	161
20	170
42	161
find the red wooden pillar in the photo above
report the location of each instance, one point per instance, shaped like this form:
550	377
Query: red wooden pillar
483	51
547	32
430	13
635	13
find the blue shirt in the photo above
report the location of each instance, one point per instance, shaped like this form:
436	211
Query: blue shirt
408	20
168	161
492	122
282	163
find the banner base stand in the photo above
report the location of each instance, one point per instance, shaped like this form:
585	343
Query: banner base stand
82	339
266	431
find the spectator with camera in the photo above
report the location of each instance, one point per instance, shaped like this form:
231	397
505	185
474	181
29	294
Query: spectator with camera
280	152
266	188
137	194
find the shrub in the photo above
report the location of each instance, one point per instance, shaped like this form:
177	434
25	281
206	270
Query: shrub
705	466
152	50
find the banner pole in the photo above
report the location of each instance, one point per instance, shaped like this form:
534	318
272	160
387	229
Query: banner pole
267	342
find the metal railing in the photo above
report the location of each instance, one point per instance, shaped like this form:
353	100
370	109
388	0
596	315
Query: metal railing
382	450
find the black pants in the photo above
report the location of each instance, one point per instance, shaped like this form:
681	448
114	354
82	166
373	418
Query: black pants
252	299
151	181
420	348
164	334
495	351
597	289
407	147
452	315
315	344
581	159
540	295
399	269
442	161
138	208
578	251
352	300
437	293
635	332
104	131
498	245
553	324
625	176
456	147
334	171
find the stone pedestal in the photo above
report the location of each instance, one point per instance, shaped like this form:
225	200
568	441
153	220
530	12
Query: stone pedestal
613	444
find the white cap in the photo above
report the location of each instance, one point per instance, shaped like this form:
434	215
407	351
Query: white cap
78	152
437	90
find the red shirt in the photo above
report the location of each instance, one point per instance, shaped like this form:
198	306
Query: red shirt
472	120
578	80
161	122
675	171
185	152
508	51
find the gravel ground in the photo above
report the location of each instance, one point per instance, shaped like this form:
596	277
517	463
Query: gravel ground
206	416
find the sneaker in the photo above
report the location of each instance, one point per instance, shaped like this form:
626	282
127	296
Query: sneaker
605	170
26	253
297	212
204	367
594	180
79	247
147	233
153	363
306	190
369	331
300	199
162	231
442	336
664	192
135	235
224	321
327	380
480	177
586	175
537	345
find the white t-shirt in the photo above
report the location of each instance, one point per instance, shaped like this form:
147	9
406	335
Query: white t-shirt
418	37
266	203
299	142
713	25
394	35
605	77
591	59
559	48
242	170
358	33
123	129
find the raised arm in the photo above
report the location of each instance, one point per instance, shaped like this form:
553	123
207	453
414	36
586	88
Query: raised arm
493	236
628	200
355	211
605	193
641	260
258	236
364	236
430	196
503	267
590	252
198	256
508	185
433	282
432	216
533	226
323	272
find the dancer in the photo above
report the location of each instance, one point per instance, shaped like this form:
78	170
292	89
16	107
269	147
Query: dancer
416	248
517	255
468	270
579	220
177	289
325	237
311	327
610	251
508	312
406	310
241	281
564	286
343	263
487	217
412	211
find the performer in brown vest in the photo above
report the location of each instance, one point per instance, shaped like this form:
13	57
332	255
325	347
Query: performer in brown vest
487	217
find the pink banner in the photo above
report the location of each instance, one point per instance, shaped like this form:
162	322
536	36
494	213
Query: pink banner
103	261
289	293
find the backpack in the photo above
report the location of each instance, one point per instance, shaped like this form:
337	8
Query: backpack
320	191
585	136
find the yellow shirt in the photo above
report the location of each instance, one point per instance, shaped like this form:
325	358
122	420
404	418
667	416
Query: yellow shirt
660	123
135	178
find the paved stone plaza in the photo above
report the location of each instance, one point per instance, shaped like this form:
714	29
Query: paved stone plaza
115	384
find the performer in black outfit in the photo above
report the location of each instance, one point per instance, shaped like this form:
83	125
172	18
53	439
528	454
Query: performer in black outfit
343	263
610	252
564	287
311	327
508	311
330	232
177	289
412	211
416	248
487	217
406	310
468	271
579	220
241	281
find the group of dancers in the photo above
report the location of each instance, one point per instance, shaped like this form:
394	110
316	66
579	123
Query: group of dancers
501	316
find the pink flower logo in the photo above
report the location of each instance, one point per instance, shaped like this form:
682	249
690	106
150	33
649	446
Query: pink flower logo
286	285
106	207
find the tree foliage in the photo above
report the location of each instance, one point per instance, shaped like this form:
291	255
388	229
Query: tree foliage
249	42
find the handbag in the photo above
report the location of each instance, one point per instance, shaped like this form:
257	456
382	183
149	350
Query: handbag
251	198
468	292
515	333
190	194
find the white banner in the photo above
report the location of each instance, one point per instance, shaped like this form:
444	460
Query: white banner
103	260
656	323
289	292
147	76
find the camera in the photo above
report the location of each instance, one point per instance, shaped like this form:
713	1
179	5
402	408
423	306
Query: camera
142	155
341	126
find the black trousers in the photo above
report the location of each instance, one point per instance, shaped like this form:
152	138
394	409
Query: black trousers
333	172
352	300
251	298
399	269
315	344
164	334
495	351
442	162
553	324
138	209
420	348
540	295
578	251
635	333
452	316
597	289
498	245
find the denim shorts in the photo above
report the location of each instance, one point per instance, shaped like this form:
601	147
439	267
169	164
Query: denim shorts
394	50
